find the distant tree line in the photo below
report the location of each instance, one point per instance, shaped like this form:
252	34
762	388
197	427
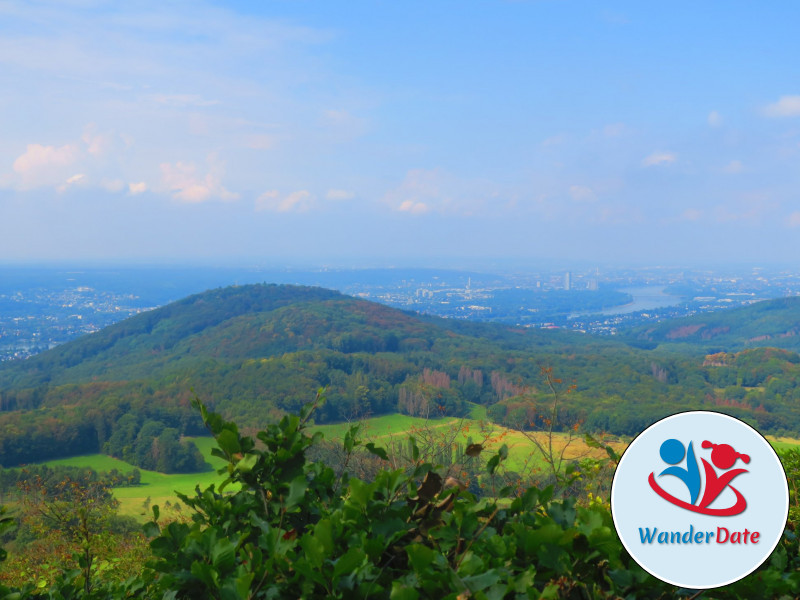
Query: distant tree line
48	478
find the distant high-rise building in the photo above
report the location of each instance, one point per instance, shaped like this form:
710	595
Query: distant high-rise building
592	286
567	280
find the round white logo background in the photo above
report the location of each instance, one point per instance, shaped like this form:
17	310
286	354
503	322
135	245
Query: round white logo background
699	499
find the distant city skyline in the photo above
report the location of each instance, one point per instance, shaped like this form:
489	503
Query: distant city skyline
374	133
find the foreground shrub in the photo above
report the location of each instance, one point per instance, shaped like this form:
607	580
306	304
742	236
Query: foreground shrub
281	526
291	528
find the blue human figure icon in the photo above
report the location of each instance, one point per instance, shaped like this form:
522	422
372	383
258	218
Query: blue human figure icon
672	452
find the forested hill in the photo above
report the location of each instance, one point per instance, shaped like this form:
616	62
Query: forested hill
256	352
771	323
254	321
144	345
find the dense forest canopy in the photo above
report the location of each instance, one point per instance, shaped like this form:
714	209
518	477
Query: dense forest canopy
257	352
770	323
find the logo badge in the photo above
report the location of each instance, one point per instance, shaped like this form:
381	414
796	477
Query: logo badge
699	499
723	456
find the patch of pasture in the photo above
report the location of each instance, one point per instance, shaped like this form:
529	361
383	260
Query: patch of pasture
155	488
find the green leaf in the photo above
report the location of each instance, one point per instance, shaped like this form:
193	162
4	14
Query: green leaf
351	438
205	573
228	441
420	556
243	583
379	452
481	581
247	463
401	591
492	464
591	442
223	554
349	562
470	563
297	491
314	549
414	449
151	529
360	492
389	527
503	452
550	592
323	532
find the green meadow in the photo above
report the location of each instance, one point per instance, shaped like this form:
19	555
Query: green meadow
160	488
523	456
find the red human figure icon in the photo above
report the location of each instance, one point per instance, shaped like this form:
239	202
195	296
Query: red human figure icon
724	457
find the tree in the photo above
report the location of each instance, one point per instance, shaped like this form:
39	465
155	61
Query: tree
75	514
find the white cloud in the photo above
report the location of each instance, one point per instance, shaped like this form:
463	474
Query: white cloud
786	106
794	219
299	201
714	119
296	201
421	191
339	195
659	158
415	208
56	166
137	188
45	165
71	181
437	191
37	157
97	144
185	184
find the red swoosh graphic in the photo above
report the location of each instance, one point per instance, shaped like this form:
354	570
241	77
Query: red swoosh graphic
737	508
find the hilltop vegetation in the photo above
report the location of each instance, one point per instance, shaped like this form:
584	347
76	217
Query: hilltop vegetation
257	352
774	323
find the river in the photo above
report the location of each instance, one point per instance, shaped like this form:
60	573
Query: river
645	297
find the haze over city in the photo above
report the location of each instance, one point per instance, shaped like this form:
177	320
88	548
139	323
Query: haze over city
369	132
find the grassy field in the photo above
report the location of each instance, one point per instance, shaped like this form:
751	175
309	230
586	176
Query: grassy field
783	443
523	452
158	487
385	431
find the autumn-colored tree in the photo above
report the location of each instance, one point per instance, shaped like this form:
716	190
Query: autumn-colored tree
73	523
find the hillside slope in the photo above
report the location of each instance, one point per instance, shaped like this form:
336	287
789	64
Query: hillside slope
256	352
773	323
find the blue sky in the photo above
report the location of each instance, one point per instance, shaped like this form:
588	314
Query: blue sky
390	132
